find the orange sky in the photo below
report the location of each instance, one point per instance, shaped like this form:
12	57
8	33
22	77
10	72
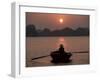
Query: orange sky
51	21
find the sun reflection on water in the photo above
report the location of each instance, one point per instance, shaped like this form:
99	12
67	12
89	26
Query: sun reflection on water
62	41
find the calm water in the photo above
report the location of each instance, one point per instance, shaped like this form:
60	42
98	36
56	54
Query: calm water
39	46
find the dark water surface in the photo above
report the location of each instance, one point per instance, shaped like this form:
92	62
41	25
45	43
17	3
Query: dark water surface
39	46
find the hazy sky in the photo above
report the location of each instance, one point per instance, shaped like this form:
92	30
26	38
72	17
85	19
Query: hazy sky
52	21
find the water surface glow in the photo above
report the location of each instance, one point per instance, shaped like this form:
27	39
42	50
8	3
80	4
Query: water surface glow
39	46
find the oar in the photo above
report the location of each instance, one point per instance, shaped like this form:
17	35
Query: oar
49	55
40	57
81	52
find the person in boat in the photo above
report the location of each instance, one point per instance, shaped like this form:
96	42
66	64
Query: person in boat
61	49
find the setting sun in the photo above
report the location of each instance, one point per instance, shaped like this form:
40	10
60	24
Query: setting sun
61	20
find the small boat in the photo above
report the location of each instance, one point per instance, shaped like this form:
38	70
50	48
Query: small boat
58	57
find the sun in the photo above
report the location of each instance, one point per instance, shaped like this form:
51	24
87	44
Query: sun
61	20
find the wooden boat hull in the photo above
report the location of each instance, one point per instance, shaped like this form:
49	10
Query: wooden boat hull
60	58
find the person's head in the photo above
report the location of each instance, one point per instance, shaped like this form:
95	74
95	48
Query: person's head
61	45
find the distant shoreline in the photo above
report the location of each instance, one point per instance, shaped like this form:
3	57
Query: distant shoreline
31	31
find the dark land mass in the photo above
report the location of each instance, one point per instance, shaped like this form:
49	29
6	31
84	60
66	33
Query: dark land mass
31	31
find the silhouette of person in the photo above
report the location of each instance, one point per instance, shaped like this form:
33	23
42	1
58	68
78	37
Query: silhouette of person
61	49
